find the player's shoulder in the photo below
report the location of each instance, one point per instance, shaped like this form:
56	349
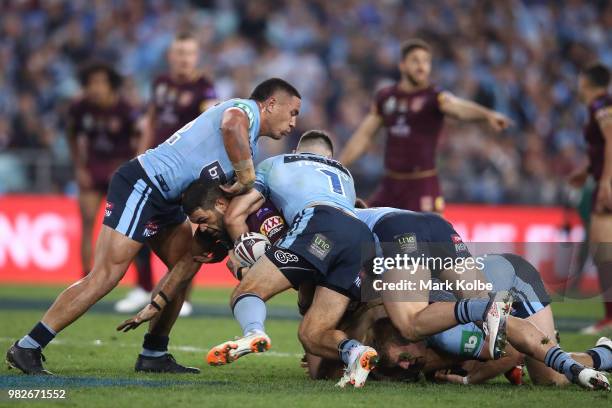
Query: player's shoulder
124	104
203	80
77	105
602	107
386	91
162	78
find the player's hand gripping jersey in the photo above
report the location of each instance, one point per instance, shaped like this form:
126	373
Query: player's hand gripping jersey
196	151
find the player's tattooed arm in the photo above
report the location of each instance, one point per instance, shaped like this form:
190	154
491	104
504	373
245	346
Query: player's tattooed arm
603	201
235	130
362	137
463	109
238	210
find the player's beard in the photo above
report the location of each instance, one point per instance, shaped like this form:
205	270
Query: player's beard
412	80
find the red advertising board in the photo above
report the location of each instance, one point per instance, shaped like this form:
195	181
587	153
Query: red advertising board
40	238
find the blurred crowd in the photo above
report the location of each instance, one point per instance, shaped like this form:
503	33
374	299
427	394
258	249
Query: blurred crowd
520	57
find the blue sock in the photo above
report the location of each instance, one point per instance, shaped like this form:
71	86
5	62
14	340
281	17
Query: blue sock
154	345
250	311
345	347
602	357
38	337
561	362
470	310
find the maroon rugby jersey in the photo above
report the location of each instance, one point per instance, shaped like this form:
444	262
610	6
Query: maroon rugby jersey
178	103
107	133
268	221
413	122
598	109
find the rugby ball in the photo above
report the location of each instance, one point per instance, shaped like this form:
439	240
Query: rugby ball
249	247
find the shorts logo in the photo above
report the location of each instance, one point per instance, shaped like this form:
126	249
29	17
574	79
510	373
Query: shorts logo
108	210
406	242
459	245
285	257
470	341
320	246
150	229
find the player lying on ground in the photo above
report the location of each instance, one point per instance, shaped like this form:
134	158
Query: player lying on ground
432	249
142	206
402	359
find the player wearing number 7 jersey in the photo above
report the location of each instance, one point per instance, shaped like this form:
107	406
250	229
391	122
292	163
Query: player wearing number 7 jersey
143	206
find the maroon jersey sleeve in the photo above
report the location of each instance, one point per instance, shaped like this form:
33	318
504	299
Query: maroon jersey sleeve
268	221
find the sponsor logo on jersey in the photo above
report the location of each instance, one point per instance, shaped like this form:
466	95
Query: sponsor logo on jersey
470	342
247	109
389	105
114	124
108	209
407	242
150	229
88	122
285	257
459	245
417	103
272	226
185	98
400	128
213	171
320	246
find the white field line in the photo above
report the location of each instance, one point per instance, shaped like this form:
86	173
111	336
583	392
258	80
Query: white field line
191	349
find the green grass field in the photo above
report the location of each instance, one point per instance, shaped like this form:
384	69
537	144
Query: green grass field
94	363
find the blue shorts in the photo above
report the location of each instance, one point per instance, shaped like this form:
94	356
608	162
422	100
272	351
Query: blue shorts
135	207
529	293
419	234
335	244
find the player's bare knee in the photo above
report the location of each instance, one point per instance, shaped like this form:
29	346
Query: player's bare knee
307	337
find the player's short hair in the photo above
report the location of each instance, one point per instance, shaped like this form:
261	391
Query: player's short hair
413	44
265	89
317	136
185	35
379	336
94	67
201	193
597	74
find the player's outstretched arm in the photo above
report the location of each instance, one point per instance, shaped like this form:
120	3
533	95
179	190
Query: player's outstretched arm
175	280
238	210
235	130
465	110
361	139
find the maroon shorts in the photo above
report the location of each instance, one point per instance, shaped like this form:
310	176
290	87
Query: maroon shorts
421	194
